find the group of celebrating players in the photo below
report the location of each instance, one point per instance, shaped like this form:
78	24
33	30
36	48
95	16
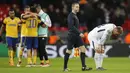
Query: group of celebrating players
34	30
34	33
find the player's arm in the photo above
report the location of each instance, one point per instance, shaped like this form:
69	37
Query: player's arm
25	16
46	21
104	37
3	25
2	29
71	25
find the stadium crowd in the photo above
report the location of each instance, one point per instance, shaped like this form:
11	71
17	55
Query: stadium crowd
92	12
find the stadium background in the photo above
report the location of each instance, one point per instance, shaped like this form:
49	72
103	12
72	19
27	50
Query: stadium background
92	13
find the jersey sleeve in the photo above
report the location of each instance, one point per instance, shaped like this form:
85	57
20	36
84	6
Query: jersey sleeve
22	16
103	39
18	20
46	20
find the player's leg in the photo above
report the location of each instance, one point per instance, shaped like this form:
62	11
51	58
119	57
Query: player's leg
99	57
29	54
93	44
15	42
21	45
10	50
66	59
82	48
40	49
44	51
68	52
96	55
35	47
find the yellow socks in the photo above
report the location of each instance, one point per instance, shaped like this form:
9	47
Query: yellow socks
29	57
47	62
20	54
42	61
34	59
29	61
11	57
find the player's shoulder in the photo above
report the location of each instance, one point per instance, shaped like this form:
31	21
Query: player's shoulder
110	26
70	15
17	18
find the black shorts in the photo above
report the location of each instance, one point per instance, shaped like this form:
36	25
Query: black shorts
74	41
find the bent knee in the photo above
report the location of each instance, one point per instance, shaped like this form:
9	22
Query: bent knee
69	51
82	49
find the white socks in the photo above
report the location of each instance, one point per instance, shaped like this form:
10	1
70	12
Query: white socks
98	59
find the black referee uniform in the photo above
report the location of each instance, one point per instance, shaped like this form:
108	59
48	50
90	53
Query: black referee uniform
74	39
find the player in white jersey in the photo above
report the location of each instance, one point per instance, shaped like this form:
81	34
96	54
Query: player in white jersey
97	38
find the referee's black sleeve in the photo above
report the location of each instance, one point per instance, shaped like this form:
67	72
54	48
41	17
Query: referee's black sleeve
71	24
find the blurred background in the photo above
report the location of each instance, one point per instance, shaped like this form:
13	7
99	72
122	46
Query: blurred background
92	13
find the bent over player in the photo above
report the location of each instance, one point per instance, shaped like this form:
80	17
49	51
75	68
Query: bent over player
74	38
97	38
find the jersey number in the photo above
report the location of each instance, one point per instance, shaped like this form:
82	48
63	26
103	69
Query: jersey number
32	23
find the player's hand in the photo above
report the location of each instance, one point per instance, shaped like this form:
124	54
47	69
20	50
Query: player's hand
34	14
99	49
28	12
81	35
43	25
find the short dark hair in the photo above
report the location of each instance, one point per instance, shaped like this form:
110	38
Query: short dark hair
38	6
74	3
119	29
11	10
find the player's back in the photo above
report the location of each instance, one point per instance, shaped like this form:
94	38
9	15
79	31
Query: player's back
32	26
101	29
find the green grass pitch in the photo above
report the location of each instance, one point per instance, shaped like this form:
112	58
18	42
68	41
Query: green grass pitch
113	65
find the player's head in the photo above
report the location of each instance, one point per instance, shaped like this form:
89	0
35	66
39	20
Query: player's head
75	7
27	9
117	31
11	13
38	8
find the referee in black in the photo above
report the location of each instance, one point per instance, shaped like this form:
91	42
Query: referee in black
74	38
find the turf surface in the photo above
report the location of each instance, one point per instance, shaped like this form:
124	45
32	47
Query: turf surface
113	65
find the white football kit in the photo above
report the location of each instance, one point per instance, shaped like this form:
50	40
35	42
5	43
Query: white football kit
100	34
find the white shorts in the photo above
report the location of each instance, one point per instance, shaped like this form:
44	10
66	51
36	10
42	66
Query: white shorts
93	41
